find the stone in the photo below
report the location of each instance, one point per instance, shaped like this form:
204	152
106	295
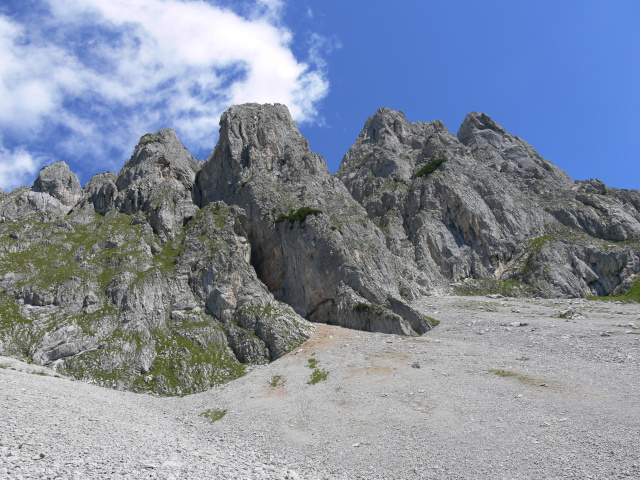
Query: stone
485	210
312	244
568	313
172	275
60	182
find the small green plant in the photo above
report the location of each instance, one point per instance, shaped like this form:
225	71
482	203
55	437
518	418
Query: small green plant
430	167
299	215
213	415
433	321
368	308
277	381
316	375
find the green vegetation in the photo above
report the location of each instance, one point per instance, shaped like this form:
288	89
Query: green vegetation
368	308
433	321
299	215
506	288
268	311
630	296
317	375
213	415
148	138
277	381
184	366
533	382
430	167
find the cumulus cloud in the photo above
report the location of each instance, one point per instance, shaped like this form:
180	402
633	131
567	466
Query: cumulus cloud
15	166
97	74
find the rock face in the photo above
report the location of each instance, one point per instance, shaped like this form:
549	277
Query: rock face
485	206
312	243
172	275
134	286
59	182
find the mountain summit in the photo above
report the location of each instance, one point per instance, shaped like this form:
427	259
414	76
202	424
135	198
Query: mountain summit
171	275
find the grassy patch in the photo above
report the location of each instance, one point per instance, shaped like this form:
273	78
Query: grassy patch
518	376
317	374
433	321
183	366
277	381
299	215
630	296
506	288
368	308
213	415
430	167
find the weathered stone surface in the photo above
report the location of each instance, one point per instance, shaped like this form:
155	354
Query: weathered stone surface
479	205
158	180
171	275
104	296
100	192
312	244
60	182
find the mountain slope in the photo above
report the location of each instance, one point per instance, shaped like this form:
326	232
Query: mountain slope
172	275
485	206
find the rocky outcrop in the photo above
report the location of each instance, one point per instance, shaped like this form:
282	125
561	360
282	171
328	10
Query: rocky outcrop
53	194
59	182
93	301
134	286
172	275
481	206
312	243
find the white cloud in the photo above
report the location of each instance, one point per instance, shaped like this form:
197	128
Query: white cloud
146	64
17	167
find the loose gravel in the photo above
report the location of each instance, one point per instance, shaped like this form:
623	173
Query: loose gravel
501	389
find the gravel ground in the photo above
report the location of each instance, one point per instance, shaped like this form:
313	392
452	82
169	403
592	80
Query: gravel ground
501	389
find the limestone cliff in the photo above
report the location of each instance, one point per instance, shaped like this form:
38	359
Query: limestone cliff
485	206
172	275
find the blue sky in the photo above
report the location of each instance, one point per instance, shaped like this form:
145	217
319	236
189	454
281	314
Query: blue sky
82	80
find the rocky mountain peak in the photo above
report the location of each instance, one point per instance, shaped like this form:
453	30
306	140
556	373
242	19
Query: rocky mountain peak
161	156
60	182
505	152
256	140
170	275
390	129
394	147
475	121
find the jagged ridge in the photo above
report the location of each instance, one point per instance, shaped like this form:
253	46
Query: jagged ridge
171	275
